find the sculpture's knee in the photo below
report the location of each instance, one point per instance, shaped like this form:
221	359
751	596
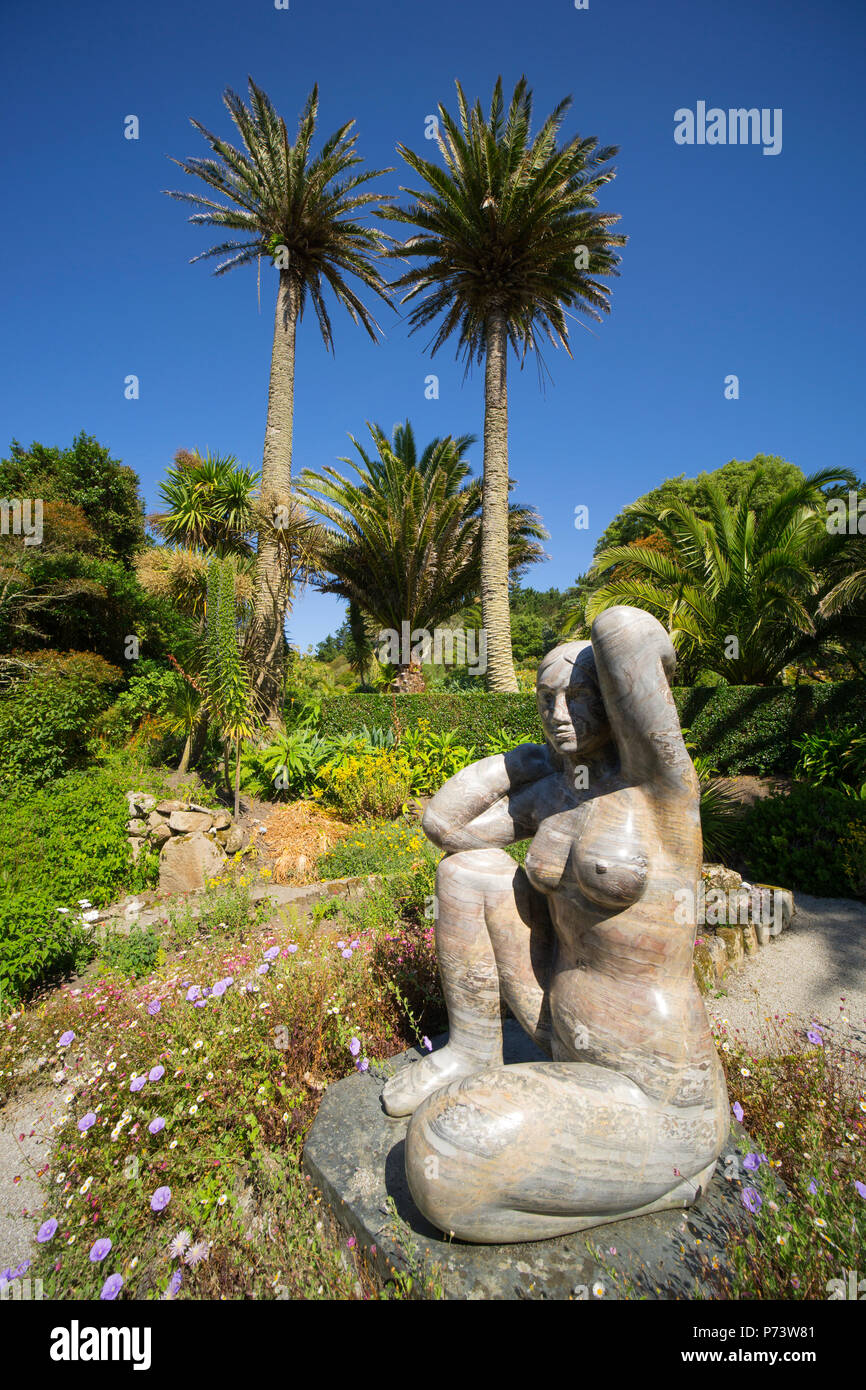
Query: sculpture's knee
475	868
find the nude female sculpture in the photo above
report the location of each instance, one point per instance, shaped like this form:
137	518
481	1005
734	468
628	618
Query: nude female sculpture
631	1112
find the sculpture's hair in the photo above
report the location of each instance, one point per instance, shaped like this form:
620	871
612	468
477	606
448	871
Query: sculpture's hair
572	658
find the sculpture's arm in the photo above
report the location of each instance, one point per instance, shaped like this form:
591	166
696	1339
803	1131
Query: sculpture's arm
491	803
635	660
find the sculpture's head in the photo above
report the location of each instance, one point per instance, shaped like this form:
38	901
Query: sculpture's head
569	701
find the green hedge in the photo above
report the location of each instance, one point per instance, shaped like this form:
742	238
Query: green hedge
743	729
473	716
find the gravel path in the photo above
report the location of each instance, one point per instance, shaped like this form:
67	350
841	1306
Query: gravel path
25	1137
807	973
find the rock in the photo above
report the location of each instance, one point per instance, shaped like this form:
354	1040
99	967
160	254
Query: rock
705	972
719	956
137	827
155	820
160	833
235	840
354	1155
222	820
750	938
762	932
145	802
187	862
733	942
136	844
165	808
185	822
719	876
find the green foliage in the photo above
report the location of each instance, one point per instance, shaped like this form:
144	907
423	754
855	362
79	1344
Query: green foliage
403	543
755	729
471	715
813	840
134	954
84	476
47	716
835	755
427	759
154	692
288	766
209	501
62	843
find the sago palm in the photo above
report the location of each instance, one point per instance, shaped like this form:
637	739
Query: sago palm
404	541
509	240
739	591
300	211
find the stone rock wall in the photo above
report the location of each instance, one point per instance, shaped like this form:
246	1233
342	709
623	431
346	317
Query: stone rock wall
193	841
734	920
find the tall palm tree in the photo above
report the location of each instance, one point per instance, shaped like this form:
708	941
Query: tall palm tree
404	541
509	239
742	574
300	210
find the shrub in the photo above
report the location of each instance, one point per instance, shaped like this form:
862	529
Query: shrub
287	766
134	954
427	759
59	845
472	717
46	718
813	840
366	785
834	755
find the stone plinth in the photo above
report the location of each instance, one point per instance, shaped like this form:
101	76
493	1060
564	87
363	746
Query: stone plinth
354	1155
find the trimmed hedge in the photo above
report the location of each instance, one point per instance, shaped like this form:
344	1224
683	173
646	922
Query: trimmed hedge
742	728
473	716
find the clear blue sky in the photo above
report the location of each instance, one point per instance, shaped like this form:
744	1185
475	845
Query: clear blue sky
737	262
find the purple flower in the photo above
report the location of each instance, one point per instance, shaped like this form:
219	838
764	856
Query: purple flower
99	1249
860	1188
46	1230
751	1199
160	1199
193	993
201	1003
271	953
175	1282
156	1073
66	1038
262	969
738	1111
137	1083
815	1037
86	1121
347	954
219	989
153	1008
363	1065
112	1286
291	949
812	1188
425	1042
21	1270
156	1125
340	945
354	1047
752	1162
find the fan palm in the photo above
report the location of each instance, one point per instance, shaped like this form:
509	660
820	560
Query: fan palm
299	209
509	238
404	541
739	591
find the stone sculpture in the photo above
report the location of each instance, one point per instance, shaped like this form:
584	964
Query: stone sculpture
631	1111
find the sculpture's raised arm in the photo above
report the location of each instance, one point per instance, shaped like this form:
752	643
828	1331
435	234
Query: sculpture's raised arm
635	661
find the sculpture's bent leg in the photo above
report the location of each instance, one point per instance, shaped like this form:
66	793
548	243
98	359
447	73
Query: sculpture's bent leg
543	1149
493	939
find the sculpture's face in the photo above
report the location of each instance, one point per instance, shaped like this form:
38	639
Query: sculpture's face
571	708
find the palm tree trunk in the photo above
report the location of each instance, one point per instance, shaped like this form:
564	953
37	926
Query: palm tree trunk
271	596
495	611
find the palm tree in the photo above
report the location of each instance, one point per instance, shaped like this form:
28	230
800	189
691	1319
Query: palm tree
739	591
404	540
508	240
300	210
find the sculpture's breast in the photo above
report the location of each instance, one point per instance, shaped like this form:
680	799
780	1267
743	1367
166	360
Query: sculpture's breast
597	854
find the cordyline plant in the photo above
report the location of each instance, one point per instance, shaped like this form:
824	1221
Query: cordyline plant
509	239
